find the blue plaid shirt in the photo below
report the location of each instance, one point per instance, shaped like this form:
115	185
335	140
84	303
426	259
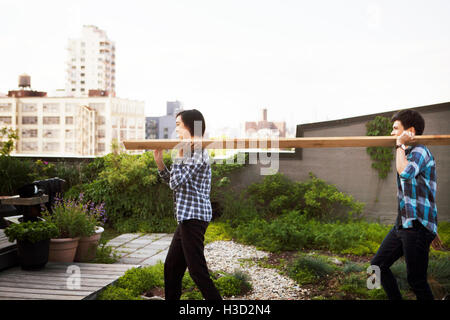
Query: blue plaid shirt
190	179
417	189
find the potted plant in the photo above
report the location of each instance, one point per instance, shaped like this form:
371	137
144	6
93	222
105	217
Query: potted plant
88	243
72	223
33	240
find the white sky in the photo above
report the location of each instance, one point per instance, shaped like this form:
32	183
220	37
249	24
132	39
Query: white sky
303	60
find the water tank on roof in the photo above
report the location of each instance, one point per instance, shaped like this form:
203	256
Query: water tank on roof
24	81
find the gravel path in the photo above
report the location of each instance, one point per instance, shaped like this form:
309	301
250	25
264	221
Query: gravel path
267	284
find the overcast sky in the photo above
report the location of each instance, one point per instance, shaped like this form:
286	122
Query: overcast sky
302	60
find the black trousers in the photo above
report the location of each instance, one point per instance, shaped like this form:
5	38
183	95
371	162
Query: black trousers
187	250
414	244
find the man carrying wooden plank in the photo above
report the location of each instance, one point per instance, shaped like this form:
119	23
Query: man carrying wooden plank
416	225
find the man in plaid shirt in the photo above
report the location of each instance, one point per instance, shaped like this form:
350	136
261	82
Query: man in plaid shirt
190	180
416	224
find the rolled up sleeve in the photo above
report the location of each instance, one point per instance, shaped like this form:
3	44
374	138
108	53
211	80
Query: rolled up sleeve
416	163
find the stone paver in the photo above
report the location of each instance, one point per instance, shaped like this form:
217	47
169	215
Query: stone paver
142	249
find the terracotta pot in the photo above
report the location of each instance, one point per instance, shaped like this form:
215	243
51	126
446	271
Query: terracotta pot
63	250
87	246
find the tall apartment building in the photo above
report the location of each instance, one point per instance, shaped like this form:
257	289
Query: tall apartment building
91	64
71	126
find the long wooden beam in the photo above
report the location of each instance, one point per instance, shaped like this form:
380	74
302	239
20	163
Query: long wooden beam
312	142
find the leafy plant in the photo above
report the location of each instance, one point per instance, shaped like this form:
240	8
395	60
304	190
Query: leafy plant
32	231
307	269
7	146
71	218
381	156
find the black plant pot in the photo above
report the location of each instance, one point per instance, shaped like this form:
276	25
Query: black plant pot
33	256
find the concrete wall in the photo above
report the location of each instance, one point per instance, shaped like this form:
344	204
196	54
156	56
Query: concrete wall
350	168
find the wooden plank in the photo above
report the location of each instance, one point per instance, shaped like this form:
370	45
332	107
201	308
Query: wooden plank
65	275
37	296
313	142
45	291
94	266
47	281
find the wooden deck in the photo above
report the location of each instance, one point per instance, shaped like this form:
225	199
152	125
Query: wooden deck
51	283
8	252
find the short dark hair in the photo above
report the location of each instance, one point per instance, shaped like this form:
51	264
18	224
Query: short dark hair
189	117
410	118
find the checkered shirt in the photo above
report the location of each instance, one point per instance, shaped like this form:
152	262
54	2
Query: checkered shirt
416	191
190	179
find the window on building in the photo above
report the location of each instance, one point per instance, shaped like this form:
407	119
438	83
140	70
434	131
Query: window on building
51	133
50	146
29	146
100	133
101	147
29	120
50	120
29	133
5	120
69	120
29	107
5	107
69	134
51	107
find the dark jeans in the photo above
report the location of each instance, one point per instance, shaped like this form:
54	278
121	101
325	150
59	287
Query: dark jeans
186	250
414	244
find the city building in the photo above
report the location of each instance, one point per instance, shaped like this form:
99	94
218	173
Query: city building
70	126
91	64
163	127
264	128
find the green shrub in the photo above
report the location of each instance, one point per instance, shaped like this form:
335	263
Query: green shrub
217	231
31	231
72	219
14	173
117	293
276	195
138	280
192	295
228	286
355	283
295	231
350	267
234	284
105	254
307	269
